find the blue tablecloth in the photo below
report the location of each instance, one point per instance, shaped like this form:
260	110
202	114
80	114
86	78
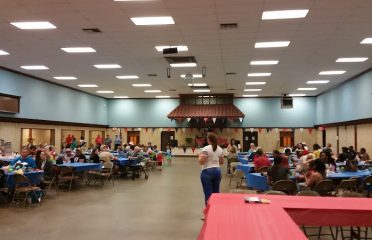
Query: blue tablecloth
342	175
246	168
256	181
243	159
123	161
34	177
80	167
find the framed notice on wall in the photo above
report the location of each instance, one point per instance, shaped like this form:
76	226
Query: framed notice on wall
9	103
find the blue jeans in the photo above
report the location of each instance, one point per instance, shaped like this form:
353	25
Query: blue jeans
210	178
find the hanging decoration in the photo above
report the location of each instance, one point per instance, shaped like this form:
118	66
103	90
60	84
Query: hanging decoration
114	129
251	129
184	130
241	119
146	129
293	130
184	149
260	130
268	130
139	129
310	130
214	120
197	120
160	129
188	119
221	129
153	129
276	130
193	149
132	129
301	129
176	129
320	128
205	120
126	129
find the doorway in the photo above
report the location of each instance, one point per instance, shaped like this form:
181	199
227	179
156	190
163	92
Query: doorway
38	137
286	139
167	137
93	134
133	136
248	138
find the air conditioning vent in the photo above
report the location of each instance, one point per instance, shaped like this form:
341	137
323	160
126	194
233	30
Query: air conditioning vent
91	30
152	75
231	89
172	90
230	73
228	26
186	59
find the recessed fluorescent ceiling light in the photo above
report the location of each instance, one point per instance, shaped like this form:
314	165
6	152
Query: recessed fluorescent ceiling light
259	74
162	96
33	25
152	91
318	82
197	84
250	95
127	77
352	59
194	75
175	65
107	66
180	48
266	62
2	52
88	85
141	85
35	67
252	90
121	97
152	20
65	78
306	89
366	41
255	83
333	72
201	90
271	44
105	91
284	14
297	95
78	49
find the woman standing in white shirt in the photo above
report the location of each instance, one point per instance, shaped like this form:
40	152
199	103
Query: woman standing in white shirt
211	158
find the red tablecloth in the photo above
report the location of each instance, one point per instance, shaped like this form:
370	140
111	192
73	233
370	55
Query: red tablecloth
229	217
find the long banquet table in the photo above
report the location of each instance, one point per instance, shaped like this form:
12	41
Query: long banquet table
227	216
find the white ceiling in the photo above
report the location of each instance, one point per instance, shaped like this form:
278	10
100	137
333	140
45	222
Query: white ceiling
332	29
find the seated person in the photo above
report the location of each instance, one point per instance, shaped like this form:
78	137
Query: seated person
79	156
284	159
66	158
46	165
121	153
277	171
327	158
314	174
344	155
24	158
94	156
363	155
105	154
261	160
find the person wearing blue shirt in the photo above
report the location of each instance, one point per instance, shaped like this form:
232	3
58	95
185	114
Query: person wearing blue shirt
24	158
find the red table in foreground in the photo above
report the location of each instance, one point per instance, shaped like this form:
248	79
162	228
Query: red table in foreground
229	217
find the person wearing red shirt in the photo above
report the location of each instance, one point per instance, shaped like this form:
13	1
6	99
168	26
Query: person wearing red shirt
261	160
98	140
69	139
284	162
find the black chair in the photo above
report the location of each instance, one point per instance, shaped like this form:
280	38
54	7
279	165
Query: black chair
347	185
367	185
287	186
325	188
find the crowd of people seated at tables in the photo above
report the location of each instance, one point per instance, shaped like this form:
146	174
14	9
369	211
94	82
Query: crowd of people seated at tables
309	167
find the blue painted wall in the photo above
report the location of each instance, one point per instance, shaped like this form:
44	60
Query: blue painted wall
42	100
267	112
260	112
350	101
